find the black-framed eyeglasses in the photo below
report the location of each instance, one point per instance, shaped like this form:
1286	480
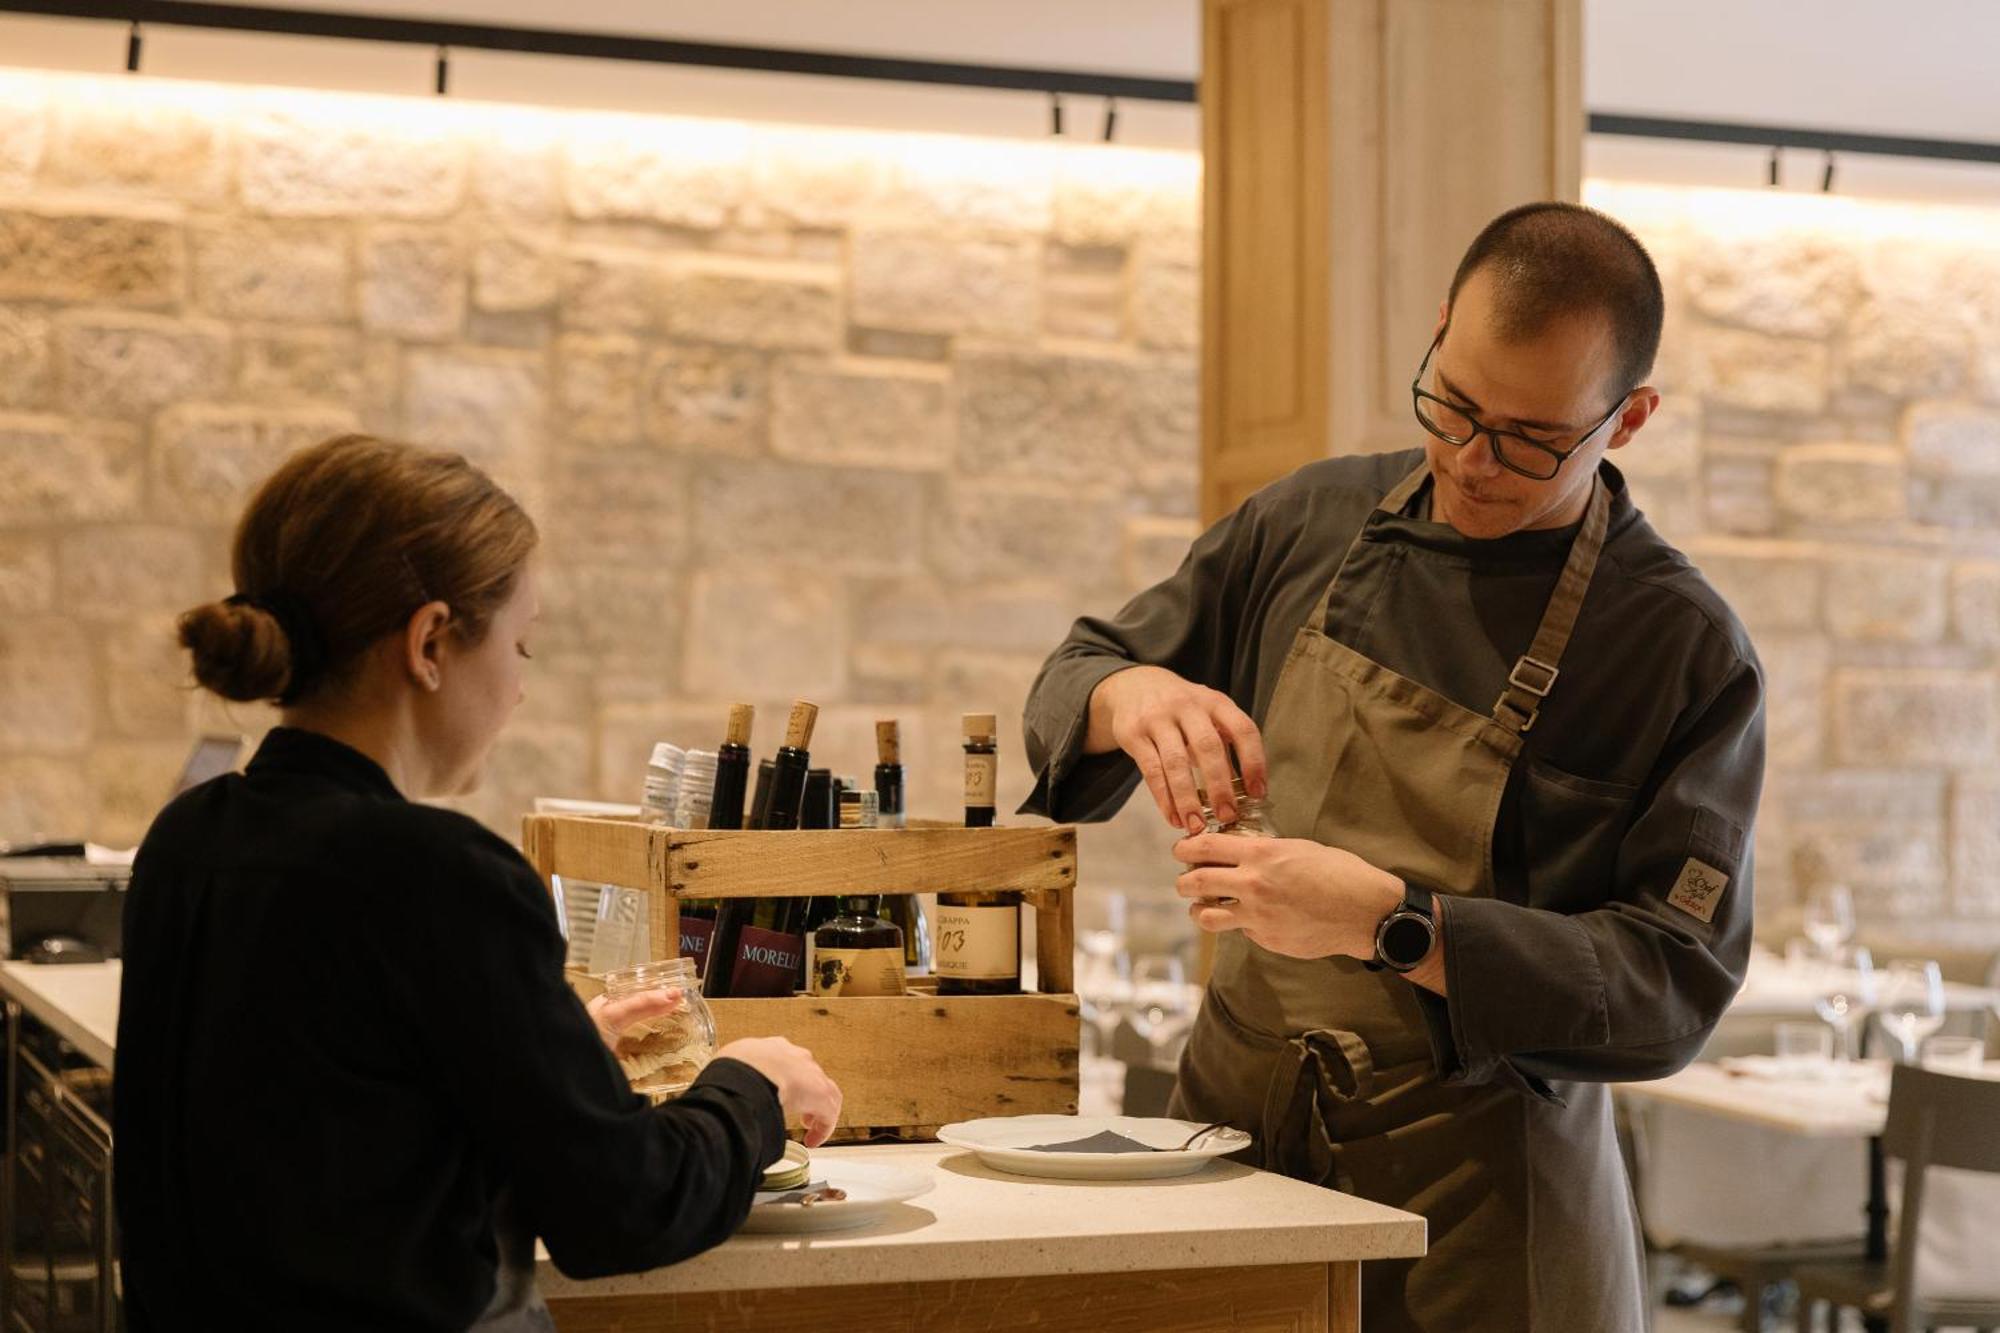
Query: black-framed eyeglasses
1539	460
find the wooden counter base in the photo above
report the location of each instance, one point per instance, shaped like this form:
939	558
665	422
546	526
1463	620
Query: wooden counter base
1289	1298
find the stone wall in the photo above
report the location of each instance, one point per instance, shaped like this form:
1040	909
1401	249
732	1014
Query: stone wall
871	417
1829	453
863	417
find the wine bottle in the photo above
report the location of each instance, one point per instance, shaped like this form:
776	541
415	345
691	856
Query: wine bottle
725	811
858	952
761	936
982	768
889	774
977	943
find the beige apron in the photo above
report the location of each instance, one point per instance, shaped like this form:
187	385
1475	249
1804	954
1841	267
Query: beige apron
1327	1063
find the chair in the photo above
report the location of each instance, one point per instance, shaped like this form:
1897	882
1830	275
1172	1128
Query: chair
1935	1120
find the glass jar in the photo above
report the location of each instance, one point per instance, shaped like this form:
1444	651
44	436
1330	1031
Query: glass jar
663	1054
1253	817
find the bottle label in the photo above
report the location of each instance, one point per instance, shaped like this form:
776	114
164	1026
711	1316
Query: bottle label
767	963
857	972
982	774
697	933
977	943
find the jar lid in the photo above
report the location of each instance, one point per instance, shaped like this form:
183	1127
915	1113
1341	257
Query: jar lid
650	976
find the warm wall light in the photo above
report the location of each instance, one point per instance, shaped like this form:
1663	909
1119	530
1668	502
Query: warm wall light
1729	215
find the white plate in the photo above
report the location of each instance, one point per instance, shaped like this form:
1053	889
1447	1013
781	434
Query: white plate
1007	1143
873	1188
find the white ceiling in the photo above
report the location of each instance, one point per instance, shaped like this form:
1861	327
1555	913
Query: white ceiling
1923	67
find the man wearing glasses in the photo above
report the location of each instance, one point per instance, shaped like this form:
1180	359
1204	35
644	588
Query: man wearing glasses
1512	744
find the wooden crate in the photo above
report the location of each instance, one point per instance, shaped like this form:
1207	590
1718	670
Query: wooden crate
905	1064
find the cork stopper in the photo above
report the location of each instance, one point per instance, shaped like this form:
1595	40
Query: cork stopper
741	718
981	727
799	729
888	741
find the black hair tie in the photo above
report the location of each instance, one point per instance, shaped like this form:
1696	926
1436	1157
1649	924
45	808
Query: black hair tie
301	632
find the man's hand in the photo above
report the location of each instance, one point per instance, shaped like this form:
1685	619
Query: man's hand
1292	896
1170	727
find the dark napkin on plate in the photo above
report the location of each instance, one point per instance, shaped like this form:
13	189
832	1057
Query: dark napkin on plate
1104	1140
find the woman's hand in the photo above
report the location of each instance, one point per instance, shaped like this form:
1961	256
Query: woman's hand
807	1094
1291	895
1172	726
615	1016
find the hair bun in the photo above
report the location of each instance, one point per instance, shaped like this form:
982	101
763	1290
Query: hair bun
240	652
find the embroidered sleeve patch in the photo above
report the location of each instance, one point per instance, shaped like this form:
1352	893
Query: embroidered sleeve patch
1698	890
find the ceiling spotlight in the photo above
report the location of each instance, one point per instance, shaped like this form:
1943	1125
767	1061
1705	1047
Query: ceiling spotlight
1110	118
1055	113
1772	177
133	42
1826	174
443	71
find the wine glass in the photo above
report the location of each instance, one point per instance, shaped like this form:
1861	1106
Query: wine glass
1160	1000
1847	999
1912	1003
1829	918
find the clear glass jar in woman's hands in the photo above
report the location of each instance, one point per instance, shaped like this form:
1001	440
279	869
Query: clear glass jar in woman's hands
661	1046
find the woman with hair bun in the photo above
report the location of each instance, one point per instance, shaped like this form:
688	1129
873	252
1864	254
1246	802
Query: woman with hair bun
352	1084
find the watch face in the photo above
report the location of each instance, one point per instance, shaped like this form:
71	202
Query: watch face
1405	941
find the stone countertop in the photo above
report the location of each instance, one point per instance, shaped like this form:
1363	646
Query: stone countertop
982	1223
78	1000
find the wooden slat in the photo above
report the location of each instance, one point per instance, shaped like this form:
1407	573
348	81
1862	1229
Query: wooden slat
731	865
1277	1298
909	1061
1343	1297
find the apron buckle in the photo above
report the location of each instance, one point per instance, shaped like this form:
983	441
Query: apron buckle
1531	679
1548	680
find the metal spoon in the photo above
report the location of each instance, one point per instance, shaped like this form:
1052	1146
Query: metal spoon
1199	1134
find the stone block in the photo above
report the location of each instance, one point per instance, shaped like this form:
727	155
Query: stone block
518	174
490	406
1904	348
1154	548
413	282
1975	844
1887	595
1032	414
751	303
54	470
1796	668
765	632
926	283
1672	505
283	366
26	376
817	178
954	184
1916	718
617	505
1771	585
23	133
515	269
1165	301
42	797
47	687
1792	283
148	680
1668	447
304	156
707	399
683	173
608	290
143	141
131	365
1759	372
209	459
867	414
1949	440
834	520
1738	485
49	253
997	531
1975	603
926	615
1121	197
1842	485
291	272
1083	292
125	570
1880	833
1166	413
27	573
597	388
625	615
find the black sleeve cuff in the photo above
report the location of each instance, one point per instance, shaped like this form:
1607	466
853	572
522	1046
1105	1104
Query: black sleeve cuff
759	1097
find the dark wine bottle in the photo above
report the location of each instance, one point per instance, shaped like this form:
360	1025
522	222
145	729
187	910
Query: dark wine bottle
760	936
889	774
982	768
732	772
858	952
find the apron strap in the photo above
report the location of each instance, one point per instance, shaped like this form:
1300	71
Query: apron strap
1392	503
1535	674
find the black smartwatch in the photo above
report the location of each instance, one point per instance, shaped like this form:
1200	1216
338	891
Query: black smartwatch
1407	935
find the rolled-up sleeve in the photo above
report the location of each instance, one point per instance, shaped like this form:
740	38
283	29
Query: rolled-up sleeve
1187	624
1630	990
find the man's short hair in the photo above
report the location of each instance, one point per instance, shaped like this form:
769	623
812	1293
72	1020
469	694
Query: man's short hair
1554	259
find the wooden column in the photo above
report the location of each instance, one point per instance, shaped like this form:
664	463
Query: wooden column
1353	148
